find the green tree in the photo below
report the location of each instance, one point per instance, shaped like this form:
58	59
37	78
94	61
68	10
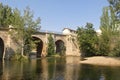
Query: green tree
5	15
115	13
104	44
110	32
30	27
87	39
24	26
51	46
17	33
115	4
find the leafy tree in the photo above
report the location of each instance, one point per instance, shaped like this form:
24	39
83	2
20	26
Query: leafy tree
5	15
17	24
30	27
17	33
115	4
23	25
87	39
51	46
109	39
104	44
115	11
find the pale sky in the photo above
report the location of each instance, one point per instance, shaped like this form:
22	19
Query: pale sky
58	14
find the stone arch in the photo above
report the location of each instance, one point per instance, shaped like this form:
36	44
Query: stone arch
1	48
60	47
39	46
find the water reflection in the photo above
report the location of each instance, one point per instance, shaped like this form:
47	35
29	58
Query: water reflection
72	70
42	69
56	69
1	69
11	71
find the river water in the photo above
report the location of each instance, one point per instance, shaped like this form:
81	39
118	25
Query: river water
56	69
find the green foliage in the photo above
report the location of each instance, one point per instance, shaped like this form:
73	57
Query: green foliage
115	4
87	39
18	24
15	56
116	50
30	27
104	44
109	40
63	49
23	25
5	15
51	46
18	57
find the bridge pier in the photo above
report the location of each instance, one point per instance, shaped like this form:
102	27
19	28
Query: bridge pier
72	48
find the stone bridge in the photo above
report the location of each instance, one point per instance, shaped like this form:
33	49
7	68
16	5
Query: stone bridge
8	46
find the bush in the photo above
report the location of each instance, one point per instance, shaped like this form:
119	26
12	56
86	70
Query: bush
18	57
51	46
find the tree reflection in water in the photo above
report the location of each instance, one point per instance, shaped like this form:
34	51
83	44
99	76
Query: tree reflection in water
58	68
1	68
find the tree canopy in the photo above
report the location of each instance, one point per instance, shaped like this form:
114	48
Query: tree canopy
109	40
87	39
6	15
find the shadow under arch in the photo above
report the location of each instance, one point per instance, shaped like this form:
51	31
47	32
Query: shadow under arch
60	47
39	46
1	48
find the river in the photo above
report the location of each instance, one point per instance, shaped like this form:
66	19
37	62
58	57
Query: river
66	68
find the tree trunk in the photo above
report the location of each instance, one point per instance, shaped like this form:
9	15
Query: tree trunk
22	51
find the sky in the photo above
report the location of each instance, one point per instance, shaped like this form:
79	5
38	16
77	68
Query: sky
58	14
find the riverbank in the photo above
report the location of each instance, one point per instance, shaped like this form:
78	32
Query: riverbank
101	60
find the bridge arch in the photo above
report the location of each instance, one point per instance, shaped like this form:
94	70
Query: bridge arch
60	47
38	46
1	48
